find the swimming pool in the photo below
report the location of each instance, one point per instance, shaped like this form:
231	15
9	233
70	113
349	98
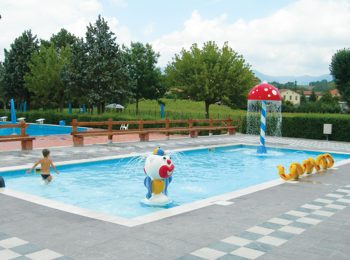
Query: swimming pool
115	187
40	130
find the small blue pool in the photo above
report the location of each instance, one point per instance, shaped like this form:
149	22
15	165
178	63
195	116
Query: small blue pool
40	130
116	187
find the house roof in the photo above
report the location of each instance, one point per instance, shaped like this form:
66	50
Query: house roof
334	92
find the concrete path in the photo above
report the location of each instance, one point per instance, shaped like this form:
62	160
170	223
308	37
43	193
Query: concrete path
306	220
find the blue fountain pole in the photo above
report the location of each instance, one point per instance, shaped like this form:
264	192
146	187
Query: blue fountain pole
13	111
262	149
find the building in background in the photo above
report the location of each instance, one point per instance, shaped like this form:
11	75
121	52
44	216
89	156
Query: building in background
291	96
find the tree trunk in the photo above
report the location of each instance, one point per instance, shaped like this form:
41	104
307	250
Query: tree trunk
207	104
137	106
99	108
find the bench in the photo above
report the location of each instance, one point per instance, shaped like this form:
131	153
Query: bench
26	140
189	126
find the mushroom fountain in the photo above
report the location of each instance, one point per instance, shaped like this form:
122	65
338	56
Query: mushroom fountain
264	102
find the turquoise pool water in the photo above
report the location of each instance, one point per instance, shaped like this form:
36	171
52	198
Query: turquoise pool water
40	130
116	186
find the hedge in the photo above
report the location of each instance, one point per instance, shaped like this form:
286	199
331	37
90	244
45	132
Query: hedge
310	126
300	125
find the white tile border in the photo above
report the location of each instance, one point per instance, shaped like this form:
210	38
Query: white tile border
156	215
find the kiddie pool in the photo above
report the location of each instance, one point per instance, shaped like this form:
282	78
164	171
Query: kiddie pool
115	187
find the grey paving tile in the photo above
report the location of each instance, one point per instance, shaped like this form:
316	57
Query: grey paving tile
260	246
289	217
304	209
4	236
317	203
317	216
231	257
224	247
300	225
63	258
341	203
26	249
190	257
250	235
21	258
281	234
270	225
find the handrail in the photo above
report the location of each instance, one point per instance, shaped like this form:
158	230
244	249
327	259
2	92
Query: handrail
166	122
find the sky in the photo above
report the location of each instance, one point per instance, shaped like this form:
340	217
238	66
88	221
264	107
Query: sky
275	37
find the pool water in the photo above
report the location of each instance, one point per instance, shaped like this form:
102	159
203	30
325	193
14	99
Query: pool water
116	186
40	130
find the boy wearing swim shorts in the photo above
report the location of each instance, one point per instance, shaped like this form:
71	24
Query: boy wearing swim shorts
45	163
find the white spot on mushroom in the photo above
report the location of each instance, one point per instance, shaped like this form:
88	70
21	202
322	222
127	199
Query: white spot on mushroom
269	95
274	92
266	89
253	92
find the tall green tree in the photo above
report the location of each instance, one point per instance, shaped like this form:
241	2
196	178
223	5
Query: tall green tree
63	39
340	70
211	74
16	66
73	74
313	97
302	98
141	61
2	91
44	78
106	76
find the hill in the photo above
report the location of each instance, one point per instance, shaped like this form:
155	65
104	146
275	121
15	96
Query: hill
301	80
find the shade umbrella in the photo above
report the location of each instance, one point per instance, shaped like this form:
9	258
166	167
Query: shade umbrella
13	111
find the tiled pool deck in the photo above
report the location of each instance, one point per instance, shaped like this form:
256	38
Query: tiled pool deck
305	220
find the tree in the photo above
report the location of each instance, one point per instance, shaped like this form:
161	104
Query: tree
44	78
313	97
340	70
106	77
2	91
73	74
63	39
322	85
141	62
211	74
302	98
328	99
16	66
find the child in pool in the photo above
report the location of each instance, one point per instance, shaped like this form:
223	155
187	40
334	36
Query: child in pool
45	166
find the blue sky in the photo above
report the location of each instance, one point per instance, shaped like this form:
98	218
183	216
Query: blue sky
276	37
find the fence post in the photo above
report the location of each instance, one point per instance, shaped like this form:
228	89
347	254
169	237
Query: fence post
110	128
211	126
23	126
167	127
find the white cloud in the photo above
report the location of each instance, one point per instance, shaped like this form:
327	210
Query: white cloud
296	40
149	29
45	18
119	3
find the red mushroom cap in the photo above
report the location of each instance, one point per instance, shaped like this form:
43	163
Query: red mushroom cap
264	91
